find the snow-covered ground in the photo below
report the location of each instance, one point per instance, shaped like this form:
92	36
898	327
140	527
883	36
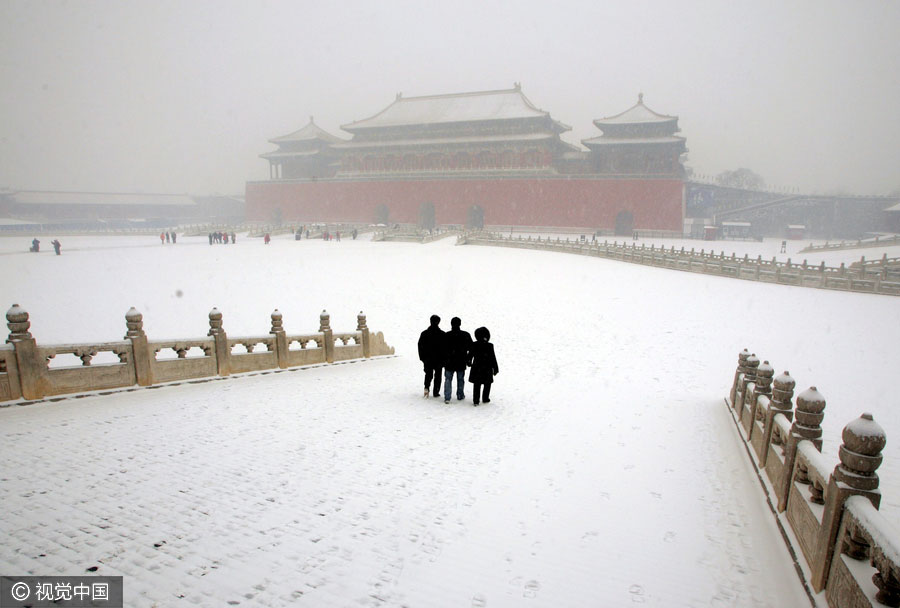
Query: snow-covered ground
606	470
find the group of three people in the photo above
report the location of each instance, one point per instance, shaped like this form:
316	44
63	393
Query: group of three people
451	352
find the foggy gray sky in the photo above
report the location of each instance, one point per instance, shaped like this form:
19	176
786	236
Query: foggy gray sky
182	96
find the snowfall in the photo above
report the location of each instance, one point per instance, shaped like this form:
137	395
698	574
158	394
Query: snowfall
605	471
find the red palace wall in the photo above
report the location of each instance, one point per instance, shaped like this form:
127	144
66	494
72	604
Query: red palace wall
656	204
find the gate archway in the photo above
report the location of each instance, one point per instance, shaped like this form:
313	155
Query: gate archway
382	214
475	217
624	223
426	216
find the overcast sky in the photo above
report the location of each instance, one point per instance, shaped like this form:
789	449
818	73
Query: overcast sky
183	96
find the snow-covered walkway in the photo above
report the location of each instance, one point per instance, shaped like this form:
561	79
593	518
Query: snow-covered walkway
605	472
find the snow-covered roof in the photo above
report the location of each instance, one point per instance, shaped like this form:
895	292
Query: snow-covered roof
796	227
736	223
636	114
894	208
290	154
447	140
33	197
612	141
310	132
451	108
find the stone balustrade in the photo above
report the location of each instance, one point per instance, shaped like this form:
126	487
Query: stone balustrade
413	235
878	241
868	278
26	373
850	551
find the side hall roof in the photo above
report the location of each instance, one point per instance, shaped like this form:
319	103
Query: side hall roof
636	114
36	197
453	108
310	132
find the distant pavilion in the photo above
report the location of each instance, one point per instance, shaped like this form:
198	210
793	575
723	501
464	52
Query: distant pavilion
486	157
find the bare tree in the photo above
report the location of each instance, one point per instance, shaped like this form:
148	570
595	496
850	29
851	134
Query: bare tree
741	178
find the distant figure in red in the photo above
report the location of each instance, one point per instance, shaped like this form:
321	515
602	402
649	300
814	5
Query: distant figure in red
267	238
162	238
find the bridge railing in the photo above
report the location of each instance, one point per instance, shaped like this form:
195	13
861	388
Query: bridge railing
880	279
26	371
850	550
878	241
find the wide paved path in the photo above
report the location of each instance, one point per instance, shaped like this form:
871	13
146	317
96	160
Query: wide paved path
331	487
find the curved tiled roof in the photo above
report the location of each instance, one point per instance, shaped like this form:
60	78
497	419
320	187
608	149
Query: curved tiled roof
310	132
453	108
636	114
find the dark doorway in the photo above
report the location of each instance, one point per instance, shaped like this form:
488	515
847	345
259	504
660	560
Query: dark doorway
624	223
382	214
426	216
475	218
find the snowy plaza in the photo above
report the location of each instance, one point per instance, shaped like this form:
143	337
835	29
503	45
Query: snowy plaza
606	471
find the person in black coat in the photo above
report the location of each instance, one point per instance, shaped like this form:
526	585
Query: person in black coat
457	353
431	354
484	365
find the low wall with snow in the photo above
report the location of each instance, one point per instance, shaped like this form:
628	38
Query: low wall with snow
879	276
26	371
845	548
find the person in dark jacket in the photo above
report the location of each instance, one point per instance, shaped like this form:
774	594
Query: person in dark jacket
457	352
484	365
56	245
431	354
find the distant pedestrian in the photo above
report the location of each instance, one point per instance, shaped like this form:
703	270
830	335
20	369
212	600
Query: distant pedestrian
167	236
35	245
267	238
233	239
210	238
162	238
354	233
484	365
431	354
458	343
56	245
783	246
337	235
174	236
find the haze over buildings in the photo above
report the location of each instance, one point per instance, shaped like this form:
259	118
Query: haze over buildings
182	97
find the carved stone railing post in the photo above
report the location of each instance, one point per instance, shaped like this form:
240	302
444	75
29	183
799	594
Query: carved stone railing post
328	336
860	455
750	366
782	393
807	418
364	330
281	345
741	369
764	375
34	380
140	351
223	353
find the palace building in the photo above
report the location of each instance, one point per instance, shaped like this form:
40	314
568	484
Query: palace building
483	158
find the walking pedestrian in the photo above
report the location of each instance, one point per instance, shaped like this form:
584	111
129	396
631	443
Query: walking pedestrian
267	238
458	343
431	354
484	365
162	238
233	239
35	245
56	245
